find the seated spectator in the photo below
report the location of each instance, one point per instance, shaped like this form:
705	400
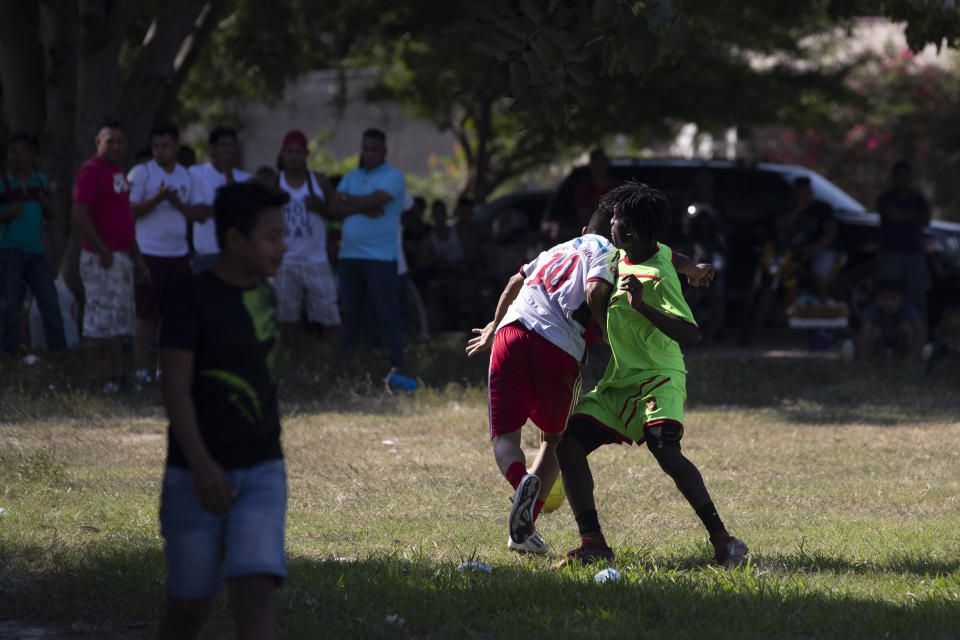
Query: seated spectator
24	200
415	228
811	228
443	247
890	326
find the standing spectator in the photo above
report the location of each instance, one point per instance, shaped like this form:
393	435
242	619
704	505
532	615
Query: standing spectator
159	191
186	156
266	176
369	200
593	187
304	278
904	212
110	256
24	200
207	178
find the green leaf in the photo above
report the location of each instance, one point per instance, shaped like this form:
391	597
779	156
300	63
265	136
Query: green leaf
581	76
601	11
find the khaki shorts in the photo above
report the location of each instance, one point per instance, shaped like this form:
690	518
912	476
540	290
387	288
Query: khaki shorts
109	309
310	285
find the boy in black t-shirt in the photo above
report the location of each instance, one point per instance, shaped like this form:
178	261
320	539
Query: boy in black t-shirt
224	495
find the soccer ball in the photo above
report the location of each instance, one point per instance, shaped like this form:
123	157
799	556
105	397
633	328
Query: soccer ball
556	497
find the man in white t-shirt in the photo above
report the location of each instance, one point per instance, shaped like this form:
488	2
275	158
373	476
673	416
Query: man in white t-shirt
160	191
207	178
305	278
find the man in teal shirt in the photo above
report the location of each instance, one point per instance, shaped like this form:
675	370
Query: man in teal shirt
369	200
24	196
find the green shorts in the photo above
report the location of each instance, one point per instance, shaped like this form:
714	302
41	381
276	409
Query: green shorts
627	410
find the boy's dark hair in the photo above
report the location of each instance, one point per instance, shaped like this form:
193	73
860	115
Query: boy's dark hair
165	129
221	132
109	123
599	223
420	201
239	205
889	284
645	211
375	133
24	137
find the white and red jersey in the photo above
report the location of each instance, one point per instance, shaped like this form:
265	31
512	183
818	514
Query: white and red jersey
556	286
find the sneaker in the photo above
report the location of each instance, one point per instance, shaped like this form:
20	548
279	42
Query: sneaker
533	544
847	351
593	548
730	552
521	513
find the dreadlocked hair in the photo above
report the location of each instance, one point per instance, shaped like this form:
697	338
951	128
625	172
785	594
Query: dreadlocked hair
643	210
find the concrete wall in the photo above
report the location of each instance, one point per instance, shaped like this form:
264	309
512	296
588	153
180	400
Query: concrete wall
308	105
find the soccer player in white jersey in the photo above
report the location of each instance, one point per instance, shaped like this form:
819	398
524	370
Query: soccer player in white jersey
536	352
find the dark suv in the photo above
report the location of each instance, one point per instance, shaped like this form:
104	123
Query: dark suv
748	197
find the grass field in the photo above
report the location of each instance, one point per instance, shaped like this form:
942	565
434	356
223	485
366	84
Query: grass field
843	483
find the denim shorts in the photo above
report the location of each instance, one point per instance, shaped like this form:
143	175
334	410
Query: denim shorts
204	550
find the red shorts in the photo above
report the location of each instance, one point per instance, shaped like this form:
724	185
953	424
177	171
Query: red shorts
530	377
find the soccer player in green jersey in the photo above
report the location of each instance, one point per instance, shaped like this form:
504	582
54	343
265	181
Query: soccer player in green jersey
641	395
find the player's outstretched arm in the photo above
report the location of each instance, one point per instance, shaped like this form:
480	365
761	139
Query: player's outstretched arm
483	338
698	275
686	334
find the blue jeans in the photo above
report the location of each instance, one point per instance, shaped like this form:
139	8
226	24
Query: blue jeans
18	266
202	550
370	287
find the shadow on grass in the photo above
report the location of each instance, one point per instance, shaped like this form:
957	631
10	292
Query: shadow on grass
112	591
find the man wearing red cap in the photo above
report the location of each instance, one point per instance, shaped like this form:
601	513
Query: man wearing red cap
304	278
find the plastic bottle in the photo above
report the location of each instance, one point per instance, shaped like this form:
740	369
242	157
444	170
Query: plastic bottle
401	383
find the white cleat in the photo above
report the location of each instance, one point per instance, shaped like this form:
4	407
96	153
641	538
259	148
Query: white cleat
533	544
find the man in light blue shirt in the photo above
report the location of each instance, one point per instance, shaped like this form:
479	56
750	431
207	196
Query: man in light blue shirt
369	201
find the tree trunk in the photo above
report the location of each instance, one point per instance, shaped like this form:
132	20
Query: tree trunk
21	66
176	32
58	160
102	25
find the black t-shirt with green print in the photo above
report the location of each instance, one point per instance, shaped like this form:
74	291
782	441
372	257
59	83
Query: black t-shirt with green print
234	335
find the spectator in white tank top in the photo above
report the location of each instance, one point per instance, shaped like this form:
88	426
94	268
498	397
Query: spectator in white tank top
305	278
